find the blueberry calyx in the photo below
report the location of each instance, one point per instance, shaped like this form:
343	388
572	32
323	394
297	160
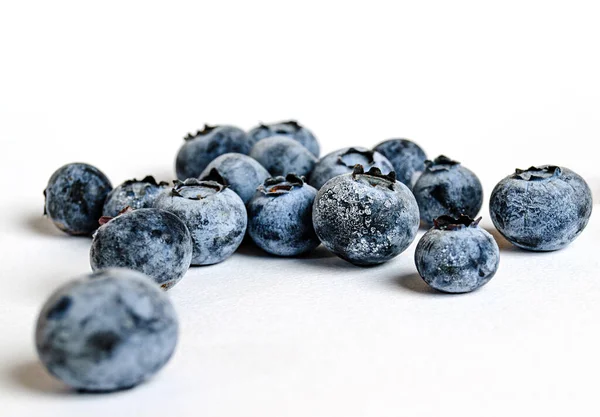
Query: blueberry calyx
368	154
205	131
281	185
105	219
195	182
390	178
537	173
440	163
214	175
293	124
148	179
463	221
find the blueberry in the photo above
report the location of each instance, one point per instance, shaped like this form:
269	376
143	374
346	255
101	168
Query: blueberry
447	188
365	218
200	149
215	216
74	198
281	155
343	161
149	240
292	129
542	208
106	331
242	173
407	158
132	193
280	216
456	255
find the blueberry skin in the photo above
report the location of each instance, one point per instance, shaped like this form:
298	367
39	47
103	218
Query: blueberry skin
133	193
281	155
106	331
365	218
242	173
447	188
457	258
292	129
200	149
280	216
541	209
215	216
343	161
407	158
74	198
151	241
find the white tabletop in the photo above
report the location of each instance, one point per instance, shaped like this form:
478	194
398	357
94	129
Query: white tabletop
493	88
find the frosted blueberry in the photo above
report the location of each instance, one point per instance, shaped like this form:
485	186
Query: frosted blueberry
365	218
215	216
292	129
242	173
343	161
456	255
148	240
133	193
542	208
281	155
74	198
107	331
447	188
280	216
200	149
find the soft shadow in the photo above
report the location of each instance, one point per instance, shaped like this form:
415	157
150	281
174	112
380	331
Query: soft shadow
503	244
413	282
32	376
40	224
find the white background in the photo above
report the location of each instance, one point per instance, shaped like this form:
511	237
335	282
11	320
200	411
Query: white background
496	85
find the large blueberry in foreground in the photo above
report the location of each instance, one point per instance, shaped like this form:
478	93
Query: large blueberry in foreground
292	129
133	193
107	331
542	208
280	216
149	240
365	218
74	198
343	161
456	255
215	216
447	188
242	173
281	155
200	149
407	158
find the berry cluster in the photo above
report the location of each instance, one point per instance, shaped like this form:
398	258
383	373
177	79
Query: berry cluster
114	328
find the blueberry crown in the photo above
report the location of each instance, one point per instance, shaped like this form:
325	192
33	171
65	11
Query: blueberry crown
451	223
211	184
537	173
148	179
281	185
207	129
290	123
214	175
105	219
375	172
440	163
366	153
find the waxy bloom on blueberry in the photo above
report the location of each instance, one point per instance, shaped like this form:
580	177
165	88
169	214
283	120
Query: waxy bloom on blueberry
147	240
281	155
456	255
447	188
407	158
200	149
366	218
280	216
215	216
541	208
134	194
343	161
292	129
74	198
106	331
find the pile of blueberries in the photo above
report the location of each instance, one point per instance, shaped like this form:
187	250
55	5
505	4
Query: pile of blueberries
114	328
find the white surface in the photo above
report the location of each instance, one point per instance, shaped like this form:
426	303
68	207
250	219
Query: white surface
494	85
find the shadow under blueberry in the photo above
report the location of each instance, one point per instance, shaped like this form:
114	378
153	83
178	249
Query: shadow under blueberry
41	225
414	283
32	376
503	244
